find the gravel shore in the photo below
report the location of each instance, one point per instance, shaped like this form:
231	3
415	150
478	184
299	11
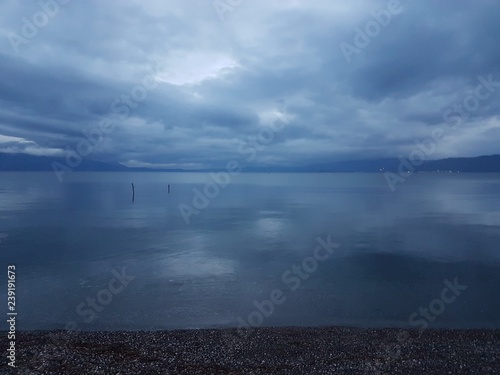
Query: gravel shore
330	350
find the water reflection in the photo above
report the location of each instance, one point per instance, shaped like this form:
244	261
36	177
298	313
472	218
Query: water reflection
396	248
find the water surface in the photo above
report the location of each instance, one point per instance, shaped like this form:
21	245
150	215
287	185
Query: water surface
396	249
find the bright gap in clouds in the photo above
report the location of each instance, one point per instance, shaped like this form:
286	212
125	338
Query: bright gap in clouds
190	68
18	145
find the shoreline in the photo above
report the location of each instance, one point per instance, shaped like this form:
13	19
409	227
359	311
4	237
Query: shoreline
278	350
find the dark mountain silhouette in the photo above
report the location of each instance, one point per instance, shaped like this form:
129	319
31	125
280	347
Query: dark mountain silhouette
24	162
491	163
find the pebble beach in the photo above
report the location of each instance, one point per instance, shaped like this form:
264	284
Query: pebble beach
293	350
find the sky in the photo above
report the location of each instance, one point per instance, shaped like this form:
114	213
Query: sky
195	83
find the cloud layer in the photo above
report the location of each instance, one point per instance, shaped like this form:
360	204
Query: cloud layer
221	71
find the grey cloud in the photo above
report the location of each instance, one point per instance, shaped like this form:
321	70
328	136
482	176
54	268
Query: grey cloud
228	75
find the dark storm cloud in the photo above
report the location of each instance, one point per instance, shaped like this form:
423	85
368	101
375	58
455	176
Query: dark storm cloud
430	43
220	82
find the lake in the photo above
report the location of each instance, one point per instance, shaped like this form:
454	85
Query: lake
267	250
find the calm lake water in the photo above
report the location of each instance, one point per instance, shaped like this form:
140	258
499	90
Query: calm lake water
69	240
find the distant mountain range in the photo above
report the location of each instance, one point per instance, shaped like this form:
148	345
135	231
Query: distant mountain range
24	162
491	163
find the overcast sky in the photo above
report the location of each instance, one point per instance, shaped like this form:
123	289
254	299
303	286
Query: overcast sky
215	74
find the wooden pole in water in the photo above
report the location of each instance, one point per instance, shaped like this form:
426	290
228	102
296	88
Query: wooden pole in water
169	189
133	192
